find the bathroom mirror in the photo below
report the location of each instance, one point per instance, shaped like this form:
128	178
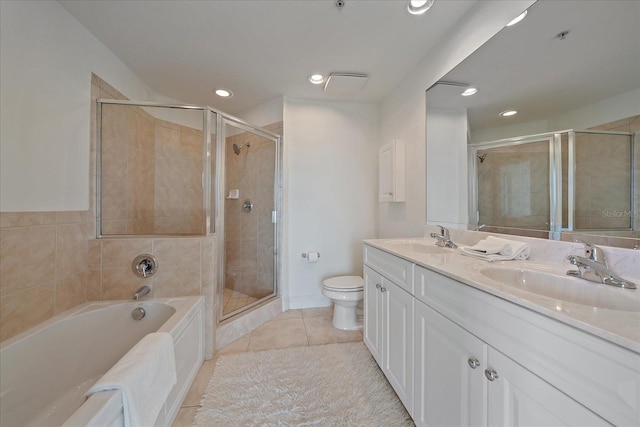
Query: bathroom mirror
152	161
567	65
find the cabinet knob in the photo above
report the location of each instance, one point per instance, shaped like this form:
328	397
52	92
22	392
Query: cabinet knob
473	362
383	289
491	374
378	285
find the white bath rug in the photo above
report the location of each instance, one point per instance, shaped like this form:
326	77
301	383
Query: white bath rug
321	385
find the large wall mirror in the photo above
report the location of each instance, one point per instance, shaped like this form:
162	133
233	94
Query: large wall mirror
571	70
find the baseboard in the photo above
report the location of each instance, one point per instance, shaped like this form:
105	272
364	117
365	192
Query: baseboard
306	301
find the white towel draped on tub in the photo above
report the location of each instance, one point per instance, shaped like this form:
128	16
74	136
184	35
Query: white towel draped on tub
145	376
497	249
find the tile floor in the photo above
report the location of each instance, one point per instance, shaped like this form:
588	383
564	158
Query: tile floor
290	329
232	300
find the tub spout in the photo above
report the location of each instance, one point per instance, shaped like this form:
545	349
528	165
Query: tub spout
141	292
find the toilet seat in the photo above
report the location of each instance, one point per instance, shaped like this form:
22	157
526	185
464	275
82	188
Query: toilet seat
344	283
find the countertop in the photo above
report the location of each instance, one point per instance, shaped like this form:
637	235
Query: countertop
616	326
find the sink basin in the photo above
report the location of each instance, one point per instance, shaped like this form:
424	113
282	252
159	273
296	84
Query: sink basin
419	247
565	288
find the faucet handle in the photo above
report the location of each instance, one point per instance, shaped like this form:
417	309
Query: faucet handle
594	253
443	231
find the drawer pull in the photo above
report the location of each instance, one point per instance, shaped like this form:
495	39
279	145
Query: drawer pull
473	362
491	374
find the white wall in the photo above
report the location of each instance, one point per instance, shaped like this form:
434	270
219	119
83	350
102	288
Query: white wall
330	157
403	112
264	114
605	111
447	166
46	60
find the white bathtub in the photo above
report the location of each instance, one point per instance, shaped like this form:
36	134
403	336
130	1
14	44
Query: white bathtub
45	372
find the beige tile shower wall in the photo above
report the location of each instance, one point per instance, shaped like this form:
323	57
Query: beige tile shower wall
128	164
178	205
249	237
503	198
609	187
127	170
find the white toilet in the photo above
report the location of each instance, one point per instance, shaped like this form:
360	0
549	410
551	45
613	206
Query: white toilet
346	292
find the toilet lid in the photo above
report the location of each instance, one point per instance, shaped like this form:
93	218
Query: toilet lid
344	283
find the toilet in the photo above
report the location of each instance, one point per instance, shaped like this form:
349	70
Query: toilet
346	292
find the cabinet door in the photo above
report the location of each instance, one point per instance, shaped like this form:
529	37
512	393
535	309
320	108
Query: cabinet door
397	340
517	397
373	313
450	388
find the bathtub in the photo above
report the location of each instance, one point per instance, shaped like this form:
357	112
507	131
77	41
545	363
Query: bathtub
45	372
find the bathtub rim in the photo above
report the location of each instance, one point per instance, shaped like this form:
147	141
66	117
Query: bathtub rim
182	306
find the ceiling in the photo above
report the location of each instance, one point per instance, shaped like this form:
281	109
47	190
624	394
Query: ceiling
528	68
264	49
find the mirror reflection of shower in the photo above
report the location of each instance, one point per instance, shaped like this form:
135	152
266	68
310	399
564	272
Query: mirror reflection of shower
236	148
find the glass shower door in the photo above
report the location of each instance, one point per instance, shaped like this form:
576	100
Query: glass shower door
248	273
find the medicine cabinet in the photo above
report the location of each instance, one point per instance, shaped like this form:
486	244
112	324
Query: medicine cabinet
392	172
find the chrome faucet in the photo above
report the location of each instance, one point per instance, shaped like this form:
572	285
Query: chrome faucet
144	290
443	240
593	266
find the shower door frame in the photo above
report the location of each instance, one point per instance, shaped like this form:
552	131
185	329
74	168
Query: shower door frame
222	121
555	174
556	226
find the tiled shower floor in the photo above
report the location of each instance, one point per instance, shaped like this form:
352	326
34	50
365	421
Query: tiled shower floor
232	300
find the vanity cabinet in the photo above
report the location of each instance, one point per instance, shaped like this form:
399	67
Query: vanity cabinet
388	327
481	360
462	381
449	386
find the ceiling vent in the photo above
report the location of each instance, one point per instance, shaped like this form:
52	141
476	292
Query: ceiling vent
344	84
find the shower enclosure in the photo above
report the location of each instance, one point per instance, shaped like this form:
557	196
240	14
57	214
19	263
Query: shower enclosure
182	170
560	181
251	177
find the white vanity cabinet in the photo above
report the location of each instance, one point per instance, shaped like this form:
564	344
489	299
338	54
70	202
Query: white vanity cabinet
462	381
481	360
388	325
449	384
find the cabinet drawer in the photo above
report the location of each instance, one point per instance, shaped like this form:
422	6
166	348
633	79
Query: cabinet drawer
398	270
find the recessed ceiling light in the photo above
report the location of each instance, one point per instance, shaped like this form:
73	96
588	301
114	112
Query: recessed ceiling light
418	7
470	91
508	113
517	19
223	93
316	79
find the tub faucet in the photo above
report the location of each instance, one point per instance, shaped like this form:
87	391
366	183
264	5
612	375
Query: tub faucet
144	290
443	240
593	266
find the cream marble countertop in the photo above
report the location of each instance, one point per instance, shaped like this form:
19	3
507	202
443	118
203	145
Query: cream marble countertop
616	326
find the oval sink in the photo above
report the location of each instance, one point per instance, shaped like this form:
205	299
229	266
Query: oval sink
421	248
565	288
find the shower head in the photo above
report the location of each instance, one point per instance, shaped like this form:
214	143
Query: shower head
236	148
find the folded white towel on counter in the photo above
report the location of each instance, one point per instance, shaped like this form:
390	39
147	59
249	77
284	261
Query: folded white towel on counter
144	376
497	249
